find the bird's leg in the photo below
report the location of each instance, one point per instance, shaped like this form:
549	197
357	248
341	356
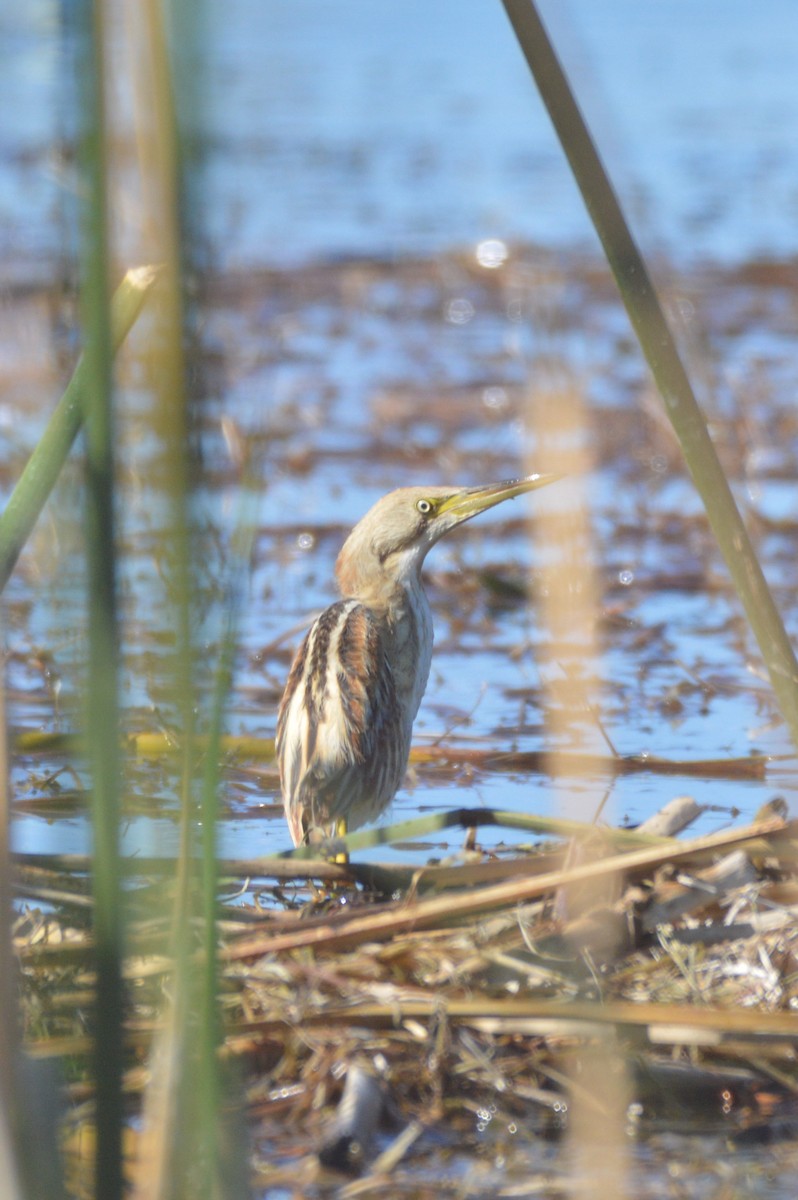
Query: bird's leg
340	831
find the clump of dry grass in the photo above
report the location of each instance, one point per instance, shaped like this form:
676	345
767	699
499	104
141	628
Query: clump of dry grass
462	998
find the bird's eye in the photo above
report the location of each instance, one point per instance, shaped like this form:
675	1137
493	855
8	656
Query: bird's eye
424	507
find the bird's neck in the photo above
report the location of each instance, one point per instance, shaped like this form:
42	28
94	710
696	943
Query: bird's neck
386	597
394	592
410	624
381	585
404	613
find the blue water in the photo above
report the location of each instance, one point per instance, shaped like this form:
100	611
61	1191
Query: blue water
361	128
408	128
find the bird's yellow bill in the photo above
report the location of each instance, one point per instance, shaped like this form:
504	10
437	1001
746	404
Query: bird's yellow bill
475	500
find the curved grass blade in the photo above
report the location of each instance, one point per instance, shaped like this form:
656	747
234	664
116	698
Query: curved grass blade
41	472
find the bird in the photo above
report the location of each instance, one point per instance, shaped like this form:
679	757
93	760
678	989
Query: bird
346	717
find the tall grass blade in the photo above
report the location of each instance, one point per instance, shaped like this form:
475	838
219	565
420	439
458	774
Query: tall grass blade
9	1049
659	347
183	1124
102	708
222	1135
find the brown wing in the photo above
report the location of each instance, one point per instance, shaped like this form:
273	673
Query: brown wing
342	739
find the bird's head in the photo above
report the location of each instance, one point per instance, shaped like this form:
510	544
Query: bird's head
387	547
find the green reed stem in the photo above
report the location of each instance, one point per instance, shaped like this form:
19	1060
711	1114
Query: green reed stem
189	1158
659	347
11	1104
44	465
465	818
102	722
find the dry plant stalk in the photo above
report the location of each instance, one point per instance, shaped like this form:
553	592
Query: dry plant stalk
599	1092
144	154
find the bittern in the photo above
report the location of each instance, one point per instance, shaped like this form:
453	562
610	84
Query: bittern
346	716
